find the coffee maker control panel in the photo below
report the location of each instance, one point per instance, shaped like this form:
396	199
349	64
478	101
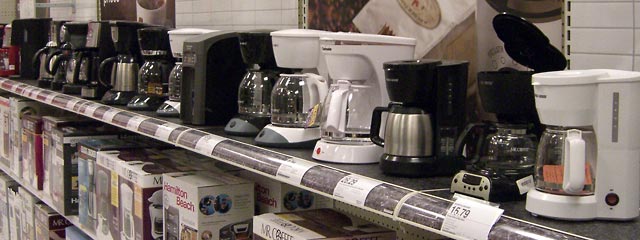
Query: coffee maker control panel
471	184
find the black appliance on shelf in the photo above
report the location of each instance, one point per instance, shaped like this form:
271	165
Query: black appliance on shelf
99	47
30	34
212	71
79	65
41	58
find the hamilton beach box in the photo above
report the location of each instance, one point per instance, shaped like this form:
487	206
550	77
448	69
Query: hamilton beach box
207	205
316	224
50	224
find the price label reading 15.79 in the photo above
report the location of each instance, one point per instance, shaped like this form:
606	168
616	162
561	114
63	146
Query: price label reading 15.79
470	219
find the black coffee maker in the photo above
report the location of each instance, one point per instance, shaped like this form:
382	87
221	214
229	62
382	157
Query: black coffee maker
424	118
153	82
57	62
120	73
79	65
30	35
212	71
98	48
254	93
41	57
500	156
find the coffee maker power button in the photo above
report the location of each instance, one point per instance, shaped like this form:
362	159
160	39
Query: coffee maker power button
612	199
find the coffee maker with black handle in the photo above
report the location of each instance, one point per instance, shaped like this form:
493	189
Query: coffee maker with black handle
99	47
42	56
78	66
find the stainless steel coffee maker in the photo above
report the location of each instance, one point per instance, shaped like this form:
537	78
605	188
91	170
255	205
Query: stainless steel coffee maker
123	77
424	117
99	47
78	66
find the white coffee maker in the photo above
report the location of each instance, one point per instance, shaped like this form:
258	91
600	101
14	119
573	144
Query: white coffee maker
354	61
295	97
588	163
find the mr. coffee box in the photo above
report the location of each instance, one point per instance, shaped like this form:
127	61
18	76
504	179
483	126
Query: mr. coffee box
28	220
5	131
21	107
32	169
274	196
5	183
87	156
15	212
202	204
316	224
64	168
50	224
48	147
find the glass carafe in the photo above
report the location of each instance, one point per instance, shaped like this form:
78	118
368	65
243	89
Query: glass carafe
254	93
293	97
175	79
560	150
346	112
153	77
508	150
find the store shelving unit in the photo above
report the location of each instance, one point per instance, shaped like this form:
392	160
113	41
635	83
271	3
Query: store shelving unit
393	202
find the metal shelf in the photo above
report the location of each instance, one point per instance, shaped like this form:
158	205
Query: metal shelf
45	199
394	206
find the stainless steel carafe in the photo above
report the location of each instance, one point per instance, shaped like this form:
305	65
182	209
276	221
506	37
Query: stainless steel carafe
408	131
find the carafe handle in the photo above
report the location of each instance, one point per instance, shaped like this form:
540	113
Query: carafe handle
35	61
56	63
336	122
317	88
464	136
574	162
47	64
376	122
77	67
102	71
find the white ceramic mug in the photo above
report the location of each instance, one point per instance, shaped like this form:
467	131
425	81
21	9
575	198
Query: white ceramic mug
151	11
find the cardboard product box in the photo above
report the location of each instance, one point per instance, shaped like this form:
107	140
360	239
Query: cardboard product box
88	154
48	149
202	205
74	233
5	183
273	196
32	169
140	186
50	224
316	224
15	213
5	131
28	220
21	107
64	168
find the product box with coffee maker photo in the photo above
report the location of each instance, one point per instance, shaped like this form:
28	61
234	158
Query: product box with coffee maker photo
6	182
203	204
32	163
49	224
28	219
5	130
15	212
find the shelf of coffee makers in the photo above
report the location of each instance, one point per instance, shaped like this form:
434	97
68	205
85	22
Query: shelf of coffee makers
47	200
400	199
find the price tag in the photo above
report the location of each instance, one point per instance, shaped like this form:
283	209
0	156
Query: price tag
14	87
90	109
164	130
470	219
134	122
207	143
50	97
354	189
293	170
33	92
525	184
109	114
72	103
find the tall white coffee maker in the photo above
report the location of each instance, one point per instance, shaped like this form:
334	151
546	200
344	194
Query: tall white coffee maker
588	163
354	61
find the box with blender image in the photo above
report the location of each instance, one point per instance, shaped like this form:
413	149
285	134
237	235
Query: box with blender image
32	169
15	212
28	220
6	182
5	130
64	167
48	147
21	107
316	224
205	204
273	196
49	224
87	155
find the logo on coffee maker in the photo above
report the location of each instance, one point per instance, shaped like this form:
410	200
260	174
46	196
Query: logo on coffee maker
425	13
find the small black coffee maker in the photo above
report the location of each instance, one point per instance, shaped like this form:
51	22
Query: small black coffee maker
79	65
99	47
254	93
424	118
30	35
41	56
121	73
212	71
57	62
500	156
153	82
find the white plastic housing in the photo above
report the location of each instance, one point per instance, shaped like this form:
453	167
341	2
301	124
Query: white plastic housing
178	36
296	48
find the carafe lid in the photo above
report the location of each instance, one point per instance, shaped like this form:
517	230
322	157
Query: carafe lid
256	48
527	45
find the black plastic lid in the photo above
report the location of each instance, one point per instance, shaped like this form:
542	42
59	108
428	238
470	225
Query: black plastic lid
76	34
154	38
37	30
527	45
255	46
125	36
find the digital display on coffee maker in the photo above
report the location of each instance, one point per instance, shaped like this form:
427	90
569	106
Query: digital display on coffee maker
471	180
189	58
